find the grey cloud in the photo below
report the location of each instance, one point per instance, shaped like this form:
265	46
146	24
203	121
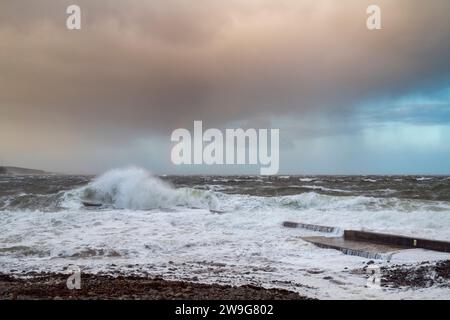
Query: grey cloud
141	67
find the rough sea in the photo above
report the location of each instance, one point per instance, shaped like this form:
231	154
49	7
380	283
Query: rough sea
218	229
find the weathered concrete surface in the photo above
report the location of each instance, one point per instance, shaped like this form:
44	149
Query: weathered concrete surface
390	239
354	248
312	227
364	243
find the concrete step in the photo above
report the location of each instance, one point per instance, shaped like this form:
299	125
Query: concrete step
391	239
355	248
312	227
372	245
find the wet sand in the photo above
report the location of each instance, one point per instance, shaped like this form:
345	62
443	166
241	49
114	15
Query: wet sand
53	286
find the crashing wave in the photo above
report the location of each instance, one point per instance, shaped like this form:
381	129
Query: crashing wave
135	188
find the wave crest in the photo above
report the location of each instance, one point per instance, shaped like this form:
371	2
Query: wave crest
135	188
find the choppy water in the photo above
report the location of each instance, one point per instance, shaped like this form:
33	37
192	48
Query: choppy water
215	228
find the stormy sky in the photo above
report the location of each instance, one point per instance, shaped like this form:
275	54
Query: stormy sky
346	100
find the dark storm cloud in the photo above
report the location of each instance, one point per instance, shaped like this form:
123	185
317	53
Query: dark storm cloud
141	66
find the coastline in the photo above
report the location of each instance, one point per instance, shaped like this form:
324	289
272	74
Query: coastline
204	235
52	286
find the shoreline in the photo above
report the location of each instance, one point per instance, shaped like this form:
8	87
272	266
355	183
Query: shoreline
52	286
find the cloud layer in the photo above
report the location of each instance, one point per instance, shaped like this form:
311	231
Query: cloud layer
140	68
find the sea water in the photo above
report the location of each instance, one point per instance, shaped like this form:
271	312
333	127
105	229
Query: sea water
218	229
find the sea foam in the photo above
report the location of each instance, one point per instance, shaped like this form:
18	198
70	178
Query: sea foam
135	188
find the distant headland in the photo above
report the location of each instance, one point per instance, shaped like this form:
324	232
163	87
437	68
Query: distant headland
19	171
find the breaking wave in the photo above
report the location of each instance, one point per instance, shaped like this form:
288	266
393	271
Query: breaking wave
136	189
